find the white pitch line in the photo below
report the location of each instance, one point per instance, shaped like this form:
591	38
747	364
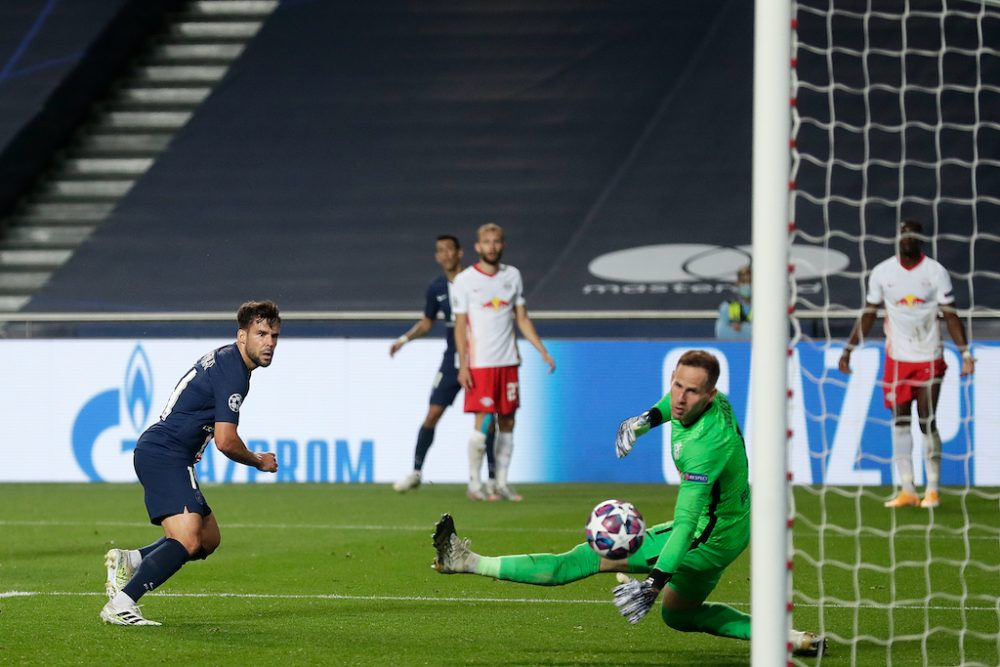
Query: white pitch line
314	596
430	529
465	600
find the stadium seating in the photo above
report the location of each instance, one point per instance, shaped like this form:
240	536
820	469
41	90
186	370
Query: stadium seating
55	59
349	135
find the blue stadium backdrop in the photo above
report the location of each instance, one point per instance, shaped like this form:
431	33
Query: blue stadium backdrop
343	411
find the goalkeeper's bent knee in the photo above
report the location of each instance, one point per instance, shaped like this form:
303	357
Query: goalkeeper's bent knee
678	620
711	617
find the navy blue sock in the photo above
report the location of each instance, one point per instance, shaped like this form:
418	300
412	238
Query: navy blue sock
145	551
424	439
156	568
491	462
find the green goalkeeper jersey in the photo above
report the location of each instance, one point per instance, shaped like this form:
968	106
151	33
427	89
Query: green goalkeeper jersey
713	501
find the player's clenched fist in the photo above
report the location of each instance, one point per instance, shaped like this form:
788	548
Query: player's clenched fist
267	462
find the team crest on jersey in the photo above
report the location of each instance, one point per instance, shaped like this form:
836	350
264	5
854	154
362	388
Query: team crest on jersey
677	448
235	401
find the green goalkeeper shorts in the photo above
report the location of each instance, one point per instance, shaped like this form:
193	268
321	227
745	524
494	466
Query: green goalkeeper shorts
699	572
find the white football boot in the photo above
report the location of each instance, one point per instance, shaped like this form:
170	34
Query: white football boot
408	483
128	616
508	493
453	555
807	644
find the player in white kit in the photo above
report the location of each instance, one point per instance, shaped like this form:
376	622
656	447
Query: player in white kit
487	299
913	288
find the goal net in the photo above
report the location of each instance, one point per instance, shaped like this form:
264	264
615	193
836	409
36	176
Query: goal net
896	115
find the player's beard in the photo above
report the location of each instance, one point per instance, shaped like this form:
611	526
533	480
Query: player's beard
910	250
256	358
494	260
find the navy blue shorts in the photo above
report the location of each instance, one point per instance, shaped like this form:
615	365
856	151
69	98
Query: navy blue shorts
169	486
446	386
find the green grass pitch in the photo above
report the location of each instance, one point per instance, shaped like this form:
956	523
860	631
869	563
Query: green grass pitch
339	574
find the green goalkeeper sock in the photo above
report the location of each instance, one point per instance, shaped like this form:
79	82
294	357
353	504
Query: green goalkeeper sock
711	617
543	569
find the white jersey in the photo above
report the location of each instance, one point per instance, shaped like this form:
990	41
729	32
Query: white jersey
912	298
488	303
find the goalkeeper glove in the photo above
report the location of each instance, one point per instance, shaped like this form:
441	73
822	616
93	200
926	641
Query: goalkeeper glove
627	433
635	598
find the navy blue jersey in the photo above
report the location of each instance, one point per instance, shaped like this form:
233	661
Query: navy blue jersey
212	391
438	301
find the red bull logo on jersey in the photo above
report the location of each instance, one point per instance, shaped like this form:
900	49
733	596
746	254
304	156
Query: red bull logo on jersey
496	303
910	301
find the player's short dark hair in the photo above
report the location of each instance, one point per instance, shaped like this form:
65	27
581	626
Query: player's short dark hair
702	359
254	311
449	237
915	224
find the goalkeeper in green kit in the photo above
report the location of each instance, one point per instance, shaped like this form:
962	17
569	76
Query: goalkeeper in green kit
684	558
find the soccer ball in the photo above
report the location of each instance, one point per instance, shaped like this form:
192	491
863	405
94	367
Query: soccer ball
615	529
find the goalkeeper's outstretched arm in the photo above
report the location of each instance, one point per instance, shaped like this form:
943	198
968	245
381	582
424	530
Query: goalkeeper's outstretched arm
634	427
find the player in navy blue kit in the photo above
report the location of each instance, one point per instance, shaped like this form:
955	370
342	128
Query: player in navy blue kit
448	255
205	405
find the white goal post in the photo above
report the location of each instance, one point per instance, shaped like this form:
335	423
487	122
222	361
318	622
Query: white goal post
867	113
770	215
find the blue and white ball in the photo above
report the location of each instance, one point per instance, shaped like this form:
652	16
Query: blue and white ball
615	529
